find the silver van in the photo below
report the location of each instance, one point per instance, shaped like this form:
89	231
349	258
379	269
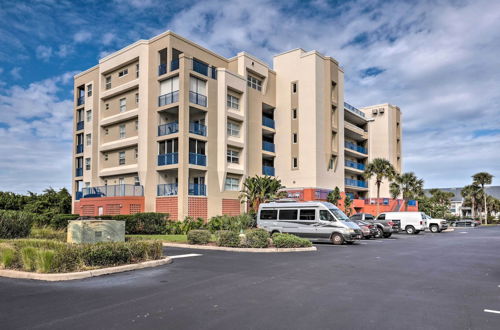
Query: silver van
316	221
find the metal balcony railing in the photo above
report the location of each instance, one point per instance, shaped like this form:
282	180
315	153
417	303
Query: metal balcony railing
80	125
196	189
268	146
268	170
198	129
354	109
355	165
79	171
197	98
162	69
174	65
167	189
80	100
169	128
268	122
168	98
197	159
204	69
113	191
168	159
78	195
79	148
355	147
356	183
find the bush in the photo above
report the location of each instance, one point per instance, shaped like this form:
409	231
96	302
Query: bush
48	233
228	238
233	223
45	261
28	257
60	221
289	241
149	223
257	238
16	224
198	236
183	227
8	256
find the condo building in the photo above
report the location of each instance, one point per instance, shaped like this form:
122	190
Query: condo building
165	125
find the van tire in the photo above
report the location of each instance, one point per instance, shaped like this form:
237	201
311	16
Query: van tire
410	230
274	232
380	233
387	235
337	239
434	229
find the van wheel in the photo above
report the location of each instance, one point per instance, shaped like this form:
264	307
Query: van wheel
434	229
337	239
410	230
380	233
387	235
274	232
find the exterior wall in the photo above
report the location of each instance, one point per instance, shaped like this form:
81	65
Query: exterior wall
110	205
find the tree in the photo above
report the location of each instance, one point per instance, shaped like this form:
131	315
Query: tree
471	193
380	168
334	196
260	189
409	185
394	190
50	202
482	179
348	205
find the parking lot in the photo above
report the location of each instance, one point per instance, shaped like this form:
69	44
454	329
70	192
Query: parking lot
426	281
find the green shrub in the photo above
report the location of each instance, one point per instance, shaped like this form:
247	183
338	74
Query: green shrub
183	227
150	223
105	254
38	243
8	256
228	238
198	236
233	223
289	241
28	257
48	233
45	261
145	250
60	221
67	259
16	224
257	238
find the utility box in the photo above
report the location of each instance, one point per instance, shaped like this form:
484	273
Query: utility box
94	231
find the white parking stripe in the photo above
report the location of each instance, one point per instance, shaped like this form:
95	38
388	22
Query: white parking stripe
185	255
491	311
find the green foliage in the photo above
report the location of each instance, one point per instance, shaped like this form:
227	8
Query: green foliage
48	233
60	221
233	223
334	196
289	241
380	168
348	205
437	205
198	236
16	224
408	185
257	238
183	227
49	203
28	257
144	223
260	189
228	238
45	261
8	255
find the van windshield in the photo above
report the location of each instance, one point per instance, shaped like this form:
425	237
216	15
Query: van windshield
339	215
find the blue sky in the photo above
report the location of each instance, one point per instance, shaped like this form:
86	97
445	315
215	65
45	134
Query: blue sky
438	60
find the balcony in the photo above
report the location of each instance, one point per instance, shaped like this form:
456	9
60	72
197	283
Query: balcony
174	65
113	191
196	189
354	110
79	171
268	146
79	148
80	125
356	183
162	69
197	98
168	98
268	122
357	148
204	69
167	189
197	159
80	100
268	170
169	128
78	195
355	165
198	129
168	159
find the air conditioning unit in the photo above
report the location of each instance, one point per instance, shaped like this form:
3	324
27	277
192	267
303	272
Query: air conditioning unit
381	110
374	111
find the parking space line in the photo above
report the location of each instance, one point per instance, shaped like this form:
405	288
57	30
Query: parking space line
491	311
185	255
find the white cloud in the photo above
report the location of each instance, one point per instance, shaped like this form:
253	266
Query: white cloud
16	73
44	52
82	36
108	38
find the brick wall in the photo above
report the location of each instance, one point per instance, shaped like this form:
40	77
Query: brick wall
87	210
168	205
135	208
110	205
112	209
197	207
231	206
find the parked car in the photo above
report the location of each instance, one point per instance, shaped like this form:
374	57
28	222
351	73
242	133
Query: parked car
383	228
464	223
415	222
434	225
367	228
316	221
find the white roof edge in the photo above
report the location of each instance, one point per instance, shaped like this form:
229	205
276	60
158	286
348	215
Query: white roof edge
86	71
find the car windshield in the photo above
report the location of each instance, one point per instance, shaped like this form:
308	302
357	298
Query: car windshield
339	215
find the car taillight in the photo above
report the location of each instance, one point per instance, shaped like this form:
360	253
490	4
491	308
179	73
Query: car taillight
370	226
421	222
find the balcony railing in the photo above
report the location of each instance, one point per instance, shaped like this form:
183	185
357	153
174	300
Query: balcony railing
197	98
268	122
198	129
79	171
80	100
79	148
80	125
78	195
174	65
168	98
204	69
162	69
113	191
197	159
167	189
355	165
169	128
168	159
354	109
268	170
196	189
355	147
356	183
267	146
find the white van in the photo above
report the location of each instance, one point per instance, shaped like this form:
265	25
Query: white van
316	221
415	222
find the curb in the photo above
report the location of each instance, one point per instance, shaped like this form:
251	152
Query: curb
251	250
81	275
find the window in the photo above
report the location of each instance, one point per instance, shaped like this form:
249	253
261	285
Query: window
136	98
137	70
233	129
269	214
123	72
308	214
294	88
136	125
87	164
381	216
106	156
89	115
288	214
89	139
332	163
233	156
294	138
169	86
294	113
136	181
108	82
295	162
106	131
198	86
233	102
136	152
326	215
253	82
232	184
89	90
121	158
123	105
122	131
356	217
107	106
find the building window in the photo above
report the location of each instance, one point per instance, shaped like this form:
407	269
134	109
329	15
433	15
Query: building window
294	113
87	164
136	125
233	129
89	139
108	82
137	98
122	131
136	152
233	102
106	131
89	115
294	88
233	156
331	164
107	106
123	105
294	137
232	184
121	158
136	181
123	73
89	90
106	156
137	70
254	82
295	162
198	86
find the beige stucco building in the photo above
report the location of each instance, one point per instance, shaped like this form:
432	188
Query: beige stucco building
165	125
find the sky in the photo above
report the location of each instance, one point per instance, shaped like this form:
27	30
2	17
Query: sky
439	61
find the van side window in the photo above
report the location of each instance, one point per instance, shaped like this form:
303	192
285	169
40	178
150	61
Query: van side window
325	215
381	216
307	214
288	214
268	214
368	217
356	217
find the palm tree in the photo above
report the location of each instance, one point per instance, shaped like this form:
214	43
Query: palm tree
471	193
348	205
409	185
394	190
334	196
380	168
260	189
482	179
